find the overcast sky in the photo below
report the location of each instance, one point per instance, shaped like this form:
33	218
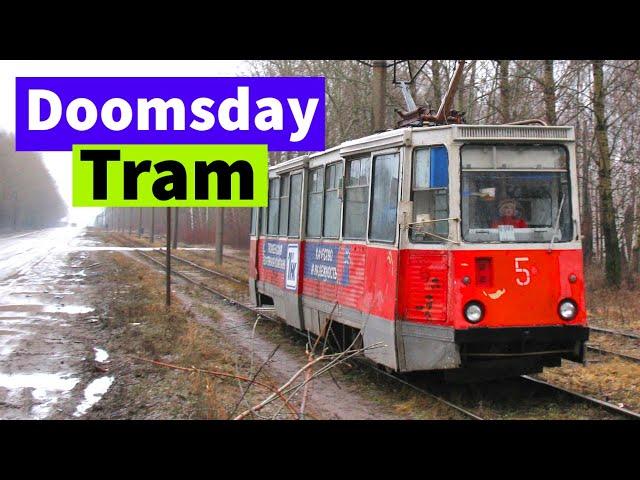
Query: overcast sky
59	163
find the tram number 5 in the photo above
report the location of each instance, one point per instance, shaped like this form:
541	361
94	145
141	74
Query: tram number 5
522	270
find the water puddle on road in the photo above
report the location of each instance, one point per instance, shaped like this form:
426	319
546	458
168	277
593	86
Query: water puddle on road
47	388
133	249
101	355
33	308
9	340
72	309
93	393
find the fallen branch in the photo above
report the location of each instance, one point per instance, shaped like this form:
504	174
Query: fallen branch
287	387
278	392
223	375
253	380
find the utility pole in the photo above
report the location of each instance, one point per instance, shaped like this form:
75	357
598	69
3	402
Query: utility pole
168	260
175	229
219	234
379	94
153	223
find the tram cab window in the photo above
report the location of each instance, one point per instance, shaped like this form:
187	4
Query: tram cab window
314	205
515	193
332	202
284	204
356	200
384	198
430	195
295	198
274	205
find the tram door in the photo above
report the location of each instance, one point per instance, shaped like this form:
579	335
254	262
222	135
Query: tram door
294	251
254	238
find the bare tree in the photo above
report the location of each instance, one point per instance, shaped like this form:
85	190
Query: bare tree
612	247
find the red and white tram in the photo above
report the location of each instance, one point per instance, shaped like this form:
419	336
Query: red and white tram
457	247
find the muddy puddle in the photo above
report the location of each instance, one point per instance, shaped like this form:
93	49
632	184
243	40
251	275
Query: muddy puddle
46	352
93	393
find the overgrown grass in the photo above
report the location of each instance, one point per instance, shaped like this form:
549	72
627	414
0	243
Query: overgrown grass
615	380
613	308
141	326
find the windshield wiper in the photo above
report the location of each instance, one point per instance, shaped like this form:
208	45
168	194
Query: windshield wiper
556	223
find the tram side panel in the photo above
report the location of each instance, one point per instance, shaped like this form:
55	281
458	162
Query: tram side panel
354	284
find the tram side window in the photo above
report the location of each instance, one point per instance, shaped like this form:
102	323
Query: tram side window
430	195
333	174
284	204
384	196
294	205
314	208
274	205
356	199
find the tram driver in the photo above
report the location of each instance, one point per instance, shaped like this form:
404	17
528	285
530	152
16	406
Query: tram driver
507	210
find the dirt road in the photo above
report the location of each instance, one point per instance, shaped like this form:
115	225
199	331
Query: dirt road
47	355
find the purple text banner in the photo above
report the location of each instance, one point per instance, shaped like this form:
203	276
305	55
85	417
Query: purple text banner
285	113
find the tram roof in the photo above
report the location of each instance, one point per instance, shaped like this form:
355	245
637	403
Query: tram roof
404	136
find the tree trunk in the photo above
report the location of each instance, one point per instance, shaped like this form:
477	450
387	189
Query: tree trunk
437	84
219	212
379	94
627	234
471	100
635	266
549	93
611	245
505	91
587	214
460	95
153	224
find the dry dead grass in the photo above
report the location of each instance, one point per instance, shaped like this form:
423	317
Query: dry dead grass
617	309
614	380
171	336
230	266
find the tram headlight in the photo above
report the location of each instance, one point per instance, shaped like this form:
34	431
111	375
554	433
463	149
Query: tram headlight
568	309
473	312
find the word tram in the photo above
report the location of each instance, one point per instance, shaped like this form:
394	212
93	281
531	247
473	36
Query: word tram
176	175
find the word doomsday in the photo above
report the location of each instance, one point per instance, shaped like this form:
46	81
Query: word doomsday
170	175
285	113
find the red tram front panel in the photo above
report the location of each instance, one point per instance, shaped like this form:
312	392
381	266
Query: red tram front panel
518	288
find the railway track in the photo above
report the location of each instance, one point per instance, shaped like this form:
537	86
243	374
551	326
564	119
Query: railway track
605	351
141	243
605	405
190	276
609	331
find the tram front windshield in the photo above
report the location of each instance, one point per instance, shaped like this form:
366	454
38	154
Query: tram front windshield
515	193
